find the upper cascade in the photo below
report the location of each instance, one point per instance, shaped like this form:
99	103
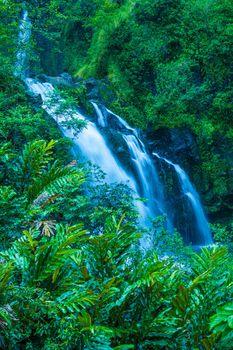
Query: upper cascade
90	141
101	118
23	40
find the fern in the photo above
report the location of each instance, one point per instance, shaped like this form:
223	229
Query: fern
6	272
35	157
47	261
52	181
6	313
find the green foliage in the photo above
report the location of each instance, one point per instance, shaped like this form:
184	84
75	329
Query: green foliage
9	11
39	190
166	243
71	289
222	322
12	213
19	121
169	64
71	285
222	234
6	312
36	181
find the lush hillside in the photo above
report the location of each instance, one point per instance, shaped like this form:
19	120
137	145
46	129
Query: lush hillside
161	63
73	270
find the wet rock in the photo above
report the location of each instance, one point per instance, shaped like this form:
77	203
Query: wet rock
64	79
99	90
177	144
67	77
35	101
180	146
111	121
119	147
114	123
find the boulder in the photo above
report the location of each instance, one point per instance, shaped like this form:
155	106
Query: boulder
35	101
99	90
177	144
64	79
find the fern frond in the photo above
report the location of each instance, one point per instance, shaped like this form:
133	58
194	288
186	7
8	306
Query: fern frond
209	259
6	271
6	153
51	182
35	157
75	301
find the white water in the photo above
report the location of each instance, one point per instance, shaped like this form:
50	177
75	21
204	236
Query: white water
122	122
190	192
149	185
23	40
101	119
146	172
89	141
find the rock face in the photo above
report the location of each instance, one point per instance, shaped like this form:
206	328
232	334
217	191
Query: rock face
178	144
113	133
99	90
173	144
35	101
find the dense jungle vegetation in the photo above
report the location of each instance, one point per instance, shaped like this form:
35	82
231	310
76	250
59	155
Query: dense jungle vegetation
72	273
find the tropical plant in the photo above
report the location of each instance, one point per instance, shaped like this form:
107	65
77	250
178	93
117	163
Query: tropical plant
7	315
222	321
38	178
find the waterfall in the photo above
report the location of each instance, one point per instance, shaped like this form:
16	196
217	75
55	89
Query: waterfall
101	119
91	143
23	40
148	183
203	234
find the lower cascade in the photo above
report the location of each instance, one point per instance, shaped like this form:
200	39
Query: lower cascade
203	233
143	177
148	182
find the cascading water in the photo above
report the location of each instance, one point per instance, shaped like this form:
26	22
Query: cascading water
90	141
24	37
101	119
93	146
148	182
203	233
